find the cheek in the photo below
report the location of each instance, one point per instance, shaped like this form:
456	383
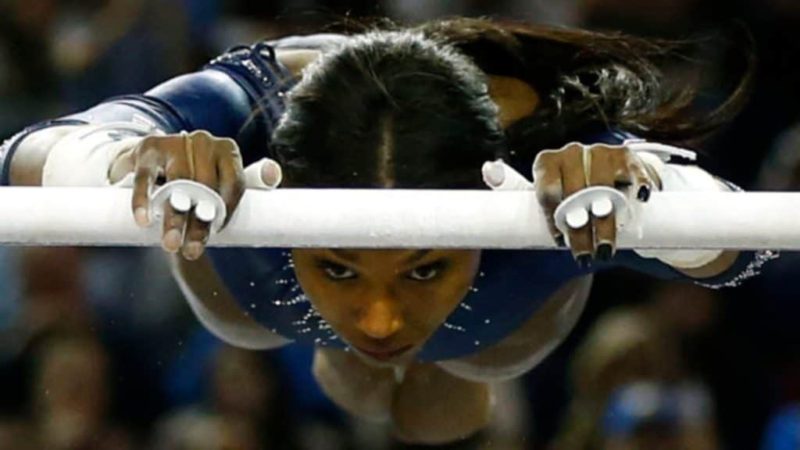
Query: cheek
436	301
328	300
462	277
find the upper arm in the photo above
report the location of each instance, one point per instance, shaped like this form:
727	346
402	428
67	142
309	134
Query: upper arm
238	95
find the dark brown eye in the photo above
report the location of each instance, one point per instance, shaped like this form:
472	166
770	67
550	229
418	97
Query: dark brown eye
427	272
336	271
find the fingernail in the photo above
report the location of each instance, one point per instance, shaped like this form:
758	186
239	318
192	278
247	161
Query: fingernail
584	261
604	252
643	194
140	216
171	241
192	250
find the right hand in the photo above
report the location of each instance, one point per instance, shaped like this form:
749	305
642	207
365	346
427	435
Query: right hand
198	156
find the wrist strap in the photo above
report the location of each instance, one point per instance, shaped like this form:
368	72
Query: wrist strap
84	156
676	178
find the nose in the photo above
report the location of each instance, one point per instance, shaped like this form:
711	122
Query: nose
380	320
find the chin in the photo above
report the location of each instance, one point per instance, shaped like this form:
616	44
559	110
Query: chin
388	361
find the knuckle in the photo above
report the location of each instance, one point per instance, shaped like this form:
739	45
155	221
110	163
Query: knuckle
227	144
197	234
546	179
571	147
227	148
201	136
546	157
175	220
149	141
548	193
157	141
153	147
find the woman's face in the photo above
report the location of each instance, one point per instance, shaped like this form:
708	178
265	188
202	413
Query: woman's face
385	303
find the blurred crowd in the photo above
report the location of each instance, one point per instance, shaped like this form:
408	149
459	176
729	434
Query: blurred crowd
98	350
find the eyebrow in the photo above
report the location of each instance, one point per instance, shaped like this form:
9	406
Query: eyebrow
345	255
416	256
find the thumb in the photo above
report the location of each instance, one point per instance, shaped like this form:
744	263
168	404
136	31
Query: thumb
263	174
499	176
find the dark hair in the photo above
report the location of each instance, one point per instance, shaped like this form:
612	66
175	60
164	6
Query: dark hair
409	108
389	109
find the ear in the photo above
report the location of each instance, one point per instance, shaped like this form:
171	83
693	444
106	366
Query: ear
515	98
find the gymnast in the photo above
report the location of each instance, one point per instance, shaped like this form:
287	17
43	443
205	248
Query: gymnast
415	337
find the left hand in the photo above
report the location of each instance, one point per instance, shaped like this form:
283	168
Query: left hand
560	173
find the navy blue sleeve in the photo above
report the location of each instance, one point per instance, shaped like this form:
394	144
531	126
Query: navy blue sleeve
747	264
237	95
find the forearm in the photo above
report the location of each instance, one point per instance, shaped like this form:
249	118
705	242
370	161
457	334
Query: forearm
181	104
29	156
67	153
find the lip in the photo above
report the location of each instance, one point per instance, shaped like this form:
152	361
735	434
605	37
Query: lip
386	354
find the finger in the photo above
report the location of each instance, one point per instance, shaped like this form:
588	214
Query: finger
173	228
581	240
642	182
607	165
147	169
203	160
196	237
549	193
231	181
605	230
177	168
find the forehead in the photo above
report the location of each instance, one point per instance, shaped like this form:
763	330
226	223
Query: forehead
383	255
366	257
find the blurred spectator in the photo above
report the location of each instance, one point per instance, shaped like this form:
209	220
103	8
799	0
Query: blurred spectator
244	408
562	12
778	307
622	347
644	17
104	48
50	297
71	395
656	416
635	344
16	434
783	432
11	306
28	81
52	290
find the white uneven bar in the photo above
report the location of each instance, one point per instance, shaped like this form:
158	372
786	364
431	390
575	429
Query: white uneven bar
398	218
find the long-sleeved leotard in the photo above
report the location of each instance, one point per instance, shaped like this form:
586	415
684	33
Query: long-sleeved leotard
240	95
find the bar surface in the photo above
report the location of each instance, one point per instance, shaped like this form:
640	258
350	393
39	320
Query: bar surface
389	218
